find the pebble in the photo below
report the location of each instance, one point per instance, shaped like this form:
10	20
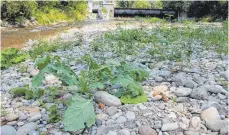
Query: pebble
169	126
111	110
130	115
20	123
35	117
112	133
157	98
145	130
160	88
11	117
7	130
124	132
216	125
26	129
121	119
210	114
107	99
183	92
195	122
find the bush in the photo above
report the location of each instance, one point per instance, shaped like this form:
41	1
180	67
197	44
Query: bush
141	4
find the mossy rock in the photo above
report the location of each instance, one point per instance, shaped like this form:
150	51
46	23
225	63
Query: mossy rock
130	100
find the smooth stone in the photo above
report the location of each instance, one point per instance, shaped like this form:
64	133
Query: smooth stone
35	117
20	123
157	97
191	133
196	122
12	123
145	130
190	84
157	124
199	93
160	88
102	116
183	92
27	128
158	79
124	132
216	125
169	126
7	130
121	119
104	129
141	106
210	114
111	110
112	133
180	79
130	115
146	112
224	130
107	99
213	88
11	117
34	133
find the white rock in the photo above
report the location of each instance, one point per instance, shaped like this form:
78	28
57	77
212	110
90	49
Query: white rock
169	126
121	119
124	132
107	99
130	115
183	92
160	88
35	117
112	133
11	117
111	110
216	125
210	114
196	122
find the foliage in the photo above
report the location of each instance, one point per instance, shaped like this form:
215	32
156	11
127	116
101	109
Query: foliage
12	56
80	114
45	12
180	6
130	100
57	68
104	10
141	4
154	20
25	91
54	114
124	4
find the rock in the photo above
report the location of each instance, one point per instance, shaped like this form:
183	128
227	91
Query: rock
121	119
34	72
124	132
221	96
26	129
183	92
169	126
157	124
146	112
102	116
12	123
191	133
112	133
213	88
224	130
224	75
111	110
213	133
196	122
160	88
157	98
219	108
130	115
7	130
145	130
34	133
190	83
104	129
199	93
164	73
210	114
161	106
11	117
180	79
98	122
35	117
107	99
216	125
179	108
141	106
50	79
20	123
158	79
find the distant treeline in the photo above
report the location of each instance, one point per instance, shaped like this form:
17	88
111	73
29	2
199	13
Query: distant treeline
44	12
198	9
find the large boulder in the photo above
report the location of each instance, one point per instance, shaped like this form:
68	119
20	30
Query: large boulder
107	99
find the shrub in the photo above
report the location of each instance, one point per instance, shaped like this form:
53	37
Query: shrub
141	4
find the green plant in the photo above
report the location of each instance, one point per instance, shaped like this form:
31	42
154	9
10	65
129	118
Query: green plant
80	114
55	67
133	100
54	115
12	56
28	93
141	4
104	10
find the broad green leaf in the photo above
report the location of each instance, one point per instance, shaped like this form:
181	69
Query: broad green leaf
42	62
79	114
